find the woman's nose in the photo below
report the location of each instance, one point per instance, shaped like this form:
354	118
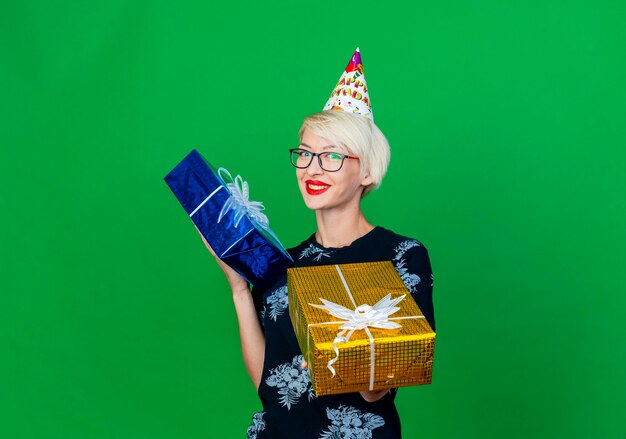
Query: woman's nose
314	168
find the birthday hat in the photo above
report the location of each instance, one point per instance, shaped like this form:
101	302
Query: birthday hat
350	93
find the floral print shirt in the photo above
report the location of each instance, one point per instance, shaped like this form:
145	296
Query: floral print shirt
290	407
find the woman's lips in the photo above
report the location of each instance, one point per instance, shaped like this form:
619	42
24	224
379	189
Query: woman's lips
316	187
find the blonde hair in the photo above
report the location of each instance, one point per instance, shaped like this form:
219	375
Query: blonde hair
359	135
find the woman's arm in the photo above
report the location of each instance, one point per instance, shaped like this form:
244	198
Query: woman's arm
250	332
250	335
419	280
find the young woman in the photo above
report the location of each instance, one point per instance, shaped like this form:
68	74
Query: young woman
341	158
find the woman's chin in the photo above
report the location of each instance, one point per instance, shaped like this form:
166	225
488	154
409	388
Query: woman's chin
314	202
312	205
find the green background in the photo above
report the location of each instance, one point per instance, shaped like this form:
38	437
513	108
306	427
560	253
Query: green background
507	127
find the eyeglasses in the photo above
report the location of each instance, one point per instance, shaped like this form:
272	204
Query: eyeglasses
329	161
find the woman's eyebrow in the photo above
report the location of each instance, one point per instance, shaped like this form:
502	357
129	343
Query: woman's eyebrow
323	147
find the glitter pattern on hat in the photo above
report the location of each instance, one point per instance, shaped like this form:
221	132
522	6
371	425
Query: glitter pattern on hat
350	93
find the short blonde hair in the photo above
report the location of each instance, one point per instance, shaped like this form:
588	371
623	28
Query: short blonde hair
359	135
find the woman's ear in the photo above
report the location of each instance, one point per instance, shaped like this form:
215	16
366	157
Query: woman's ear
367	180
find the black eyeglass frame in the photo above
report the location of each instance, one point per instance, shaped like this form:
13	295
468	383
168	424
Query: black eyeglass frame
319	158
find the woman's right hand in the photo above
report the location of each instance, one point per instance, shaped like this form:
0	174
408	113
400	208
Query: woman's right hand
236	281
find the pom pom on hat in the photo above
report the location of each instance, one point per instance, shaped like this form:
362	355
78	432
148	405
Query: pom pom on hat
350	93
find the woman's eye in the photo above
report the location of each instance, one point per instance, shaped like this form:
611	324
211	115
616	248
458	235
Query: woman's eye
304	154
334	156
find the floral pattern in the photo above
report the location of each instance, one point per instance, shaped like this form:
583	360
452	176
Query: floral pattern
317	252
258	425
350	423
411	280
290	405
262	314
291	381
277	302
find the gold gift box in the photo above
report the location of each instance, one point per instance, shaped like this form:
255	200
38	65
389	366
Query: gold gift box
372	358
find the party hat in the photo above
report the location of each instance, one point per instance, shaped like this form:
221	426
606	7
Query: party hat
350	93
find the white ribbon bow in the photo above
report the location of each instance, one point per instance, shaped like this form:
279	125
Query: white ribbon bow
239	201
362	317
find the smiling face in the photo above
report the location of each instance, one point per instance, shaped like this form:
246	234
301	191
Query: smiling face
322	190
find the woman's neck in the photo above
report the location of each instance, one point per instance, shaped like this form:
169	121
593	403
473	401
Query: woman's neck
340	228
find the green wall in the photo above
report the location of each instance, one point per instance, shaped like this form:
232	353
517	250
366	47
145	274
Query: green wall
508	134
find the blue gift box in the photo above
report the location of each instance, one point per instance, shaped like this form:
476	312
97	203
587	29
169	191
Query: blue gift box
233	225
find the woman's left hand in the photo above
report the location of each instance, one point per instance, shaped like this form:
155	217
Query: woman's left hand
374	395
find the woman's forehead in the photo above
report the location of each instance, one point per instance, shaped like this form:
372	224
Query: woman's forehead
329	147
314	141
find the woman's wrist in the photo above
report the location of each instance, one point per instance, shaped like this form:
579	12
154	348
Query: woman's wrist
241	292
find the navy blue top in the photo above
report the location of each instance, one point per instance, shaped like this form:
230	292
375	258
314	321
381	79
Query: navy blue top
290	407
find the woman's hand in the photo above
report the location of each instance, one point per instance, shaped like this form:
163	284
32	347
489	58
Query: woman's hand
368	396
236	281
374	395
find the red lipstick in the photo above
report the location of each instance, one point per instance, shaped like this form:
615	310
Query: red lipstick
316	187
